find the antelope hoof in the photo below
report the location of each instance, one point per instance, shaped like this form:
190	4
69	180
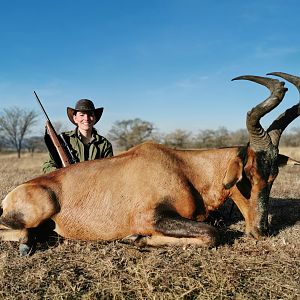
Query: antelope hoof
257	233
25	250
131	239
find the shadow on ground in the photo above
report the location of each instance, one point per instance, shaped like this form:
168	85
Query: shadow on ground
45	237
283	213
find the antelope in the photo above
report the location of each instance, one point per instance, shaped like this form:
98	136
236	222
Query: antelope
155	195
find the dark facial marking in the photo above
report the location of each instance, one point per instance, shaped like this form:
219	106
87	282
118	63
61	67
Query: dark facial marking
267	163
263	208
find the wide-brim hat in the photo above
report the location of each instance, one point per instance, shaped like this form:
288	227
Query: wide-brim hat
84	105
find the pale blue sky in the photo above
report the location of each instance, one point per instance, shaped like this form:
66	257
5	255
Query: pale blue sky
169	62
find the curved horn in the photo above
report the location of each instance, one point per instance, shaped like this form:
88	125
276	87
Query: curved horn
291	78
277	127
259	138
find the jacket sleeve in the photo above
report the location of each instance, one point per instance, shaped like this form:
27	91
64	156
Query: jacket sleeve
49	165
108	150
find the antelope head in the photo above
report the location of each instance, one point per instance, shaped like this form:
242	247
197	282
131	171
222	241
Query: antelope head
261	157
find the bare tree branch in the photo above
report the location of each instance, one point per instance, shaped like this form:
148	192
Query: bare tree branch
15	124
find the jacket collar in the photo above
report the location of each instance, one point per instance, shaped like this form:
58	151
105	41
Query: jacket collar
76	133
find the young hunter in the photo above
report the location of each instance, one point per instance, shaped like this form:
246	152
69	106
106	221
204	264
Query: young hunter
84	141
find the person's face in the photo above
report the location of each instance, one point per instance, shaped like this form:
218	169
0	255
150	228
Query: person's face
84	120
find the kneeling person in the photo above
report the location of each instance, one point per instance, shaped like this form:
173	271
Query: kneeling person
84	141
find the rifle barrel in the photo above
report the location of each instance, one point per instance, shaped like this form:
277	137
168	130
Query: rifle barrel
38	100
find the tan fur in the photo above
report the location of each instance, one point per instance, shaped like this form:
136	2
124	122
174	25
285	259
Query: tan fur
109	199
233	173
13	235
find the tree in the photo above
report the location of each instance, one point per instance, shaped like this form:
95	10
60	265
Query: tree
205	138
222	137
291	138
179	138
15	124
2	141
59	126
128	133
35	143
209	138
239	137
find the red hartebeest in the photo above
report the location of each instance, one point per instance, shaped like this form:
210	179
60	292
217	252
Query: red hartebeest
155	194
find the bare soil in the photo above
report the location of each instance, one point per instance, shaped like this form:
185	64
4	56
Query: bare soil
240	268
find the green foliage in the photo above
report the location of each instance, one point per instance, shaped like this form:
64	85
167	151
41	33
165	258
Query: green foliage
178	138
128	133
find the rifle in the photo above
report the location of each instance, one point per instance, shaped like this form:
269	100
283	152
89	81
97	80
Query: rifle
56	144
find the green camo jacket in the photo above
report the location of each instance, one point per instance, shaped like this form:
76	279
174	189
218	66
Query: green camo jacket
99	147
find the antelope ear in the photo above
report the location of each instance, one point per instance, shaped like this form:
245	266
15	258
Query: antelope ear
284	160
233	173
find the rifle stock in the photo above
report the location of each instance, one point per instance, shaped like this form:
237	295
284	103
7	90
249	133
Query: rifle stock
56	143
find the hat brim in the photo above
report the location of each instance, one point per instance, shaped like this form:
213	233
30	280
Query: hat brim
98	113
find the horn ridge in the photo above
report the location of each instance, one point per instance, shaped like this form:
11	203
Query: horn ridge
270	83
295	80
278	126
259	138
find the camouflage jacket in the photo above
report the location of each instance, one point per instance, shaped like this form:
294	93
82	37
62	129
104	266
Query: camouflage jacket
99	147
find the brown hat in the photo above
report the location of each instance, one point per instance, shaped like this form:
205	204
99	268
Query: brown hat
84	105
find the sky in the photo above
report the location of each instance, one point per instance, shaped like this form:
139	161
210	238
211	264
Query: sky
169	62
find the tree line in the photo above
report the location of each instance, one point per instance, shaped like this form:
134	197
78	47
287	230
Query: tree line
16	125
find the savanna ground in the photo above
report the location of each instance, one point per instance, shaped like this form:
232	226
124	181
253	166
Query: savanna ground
240	268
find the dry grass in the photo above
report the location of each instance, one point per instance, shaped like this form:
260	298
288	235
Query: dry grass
240	268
